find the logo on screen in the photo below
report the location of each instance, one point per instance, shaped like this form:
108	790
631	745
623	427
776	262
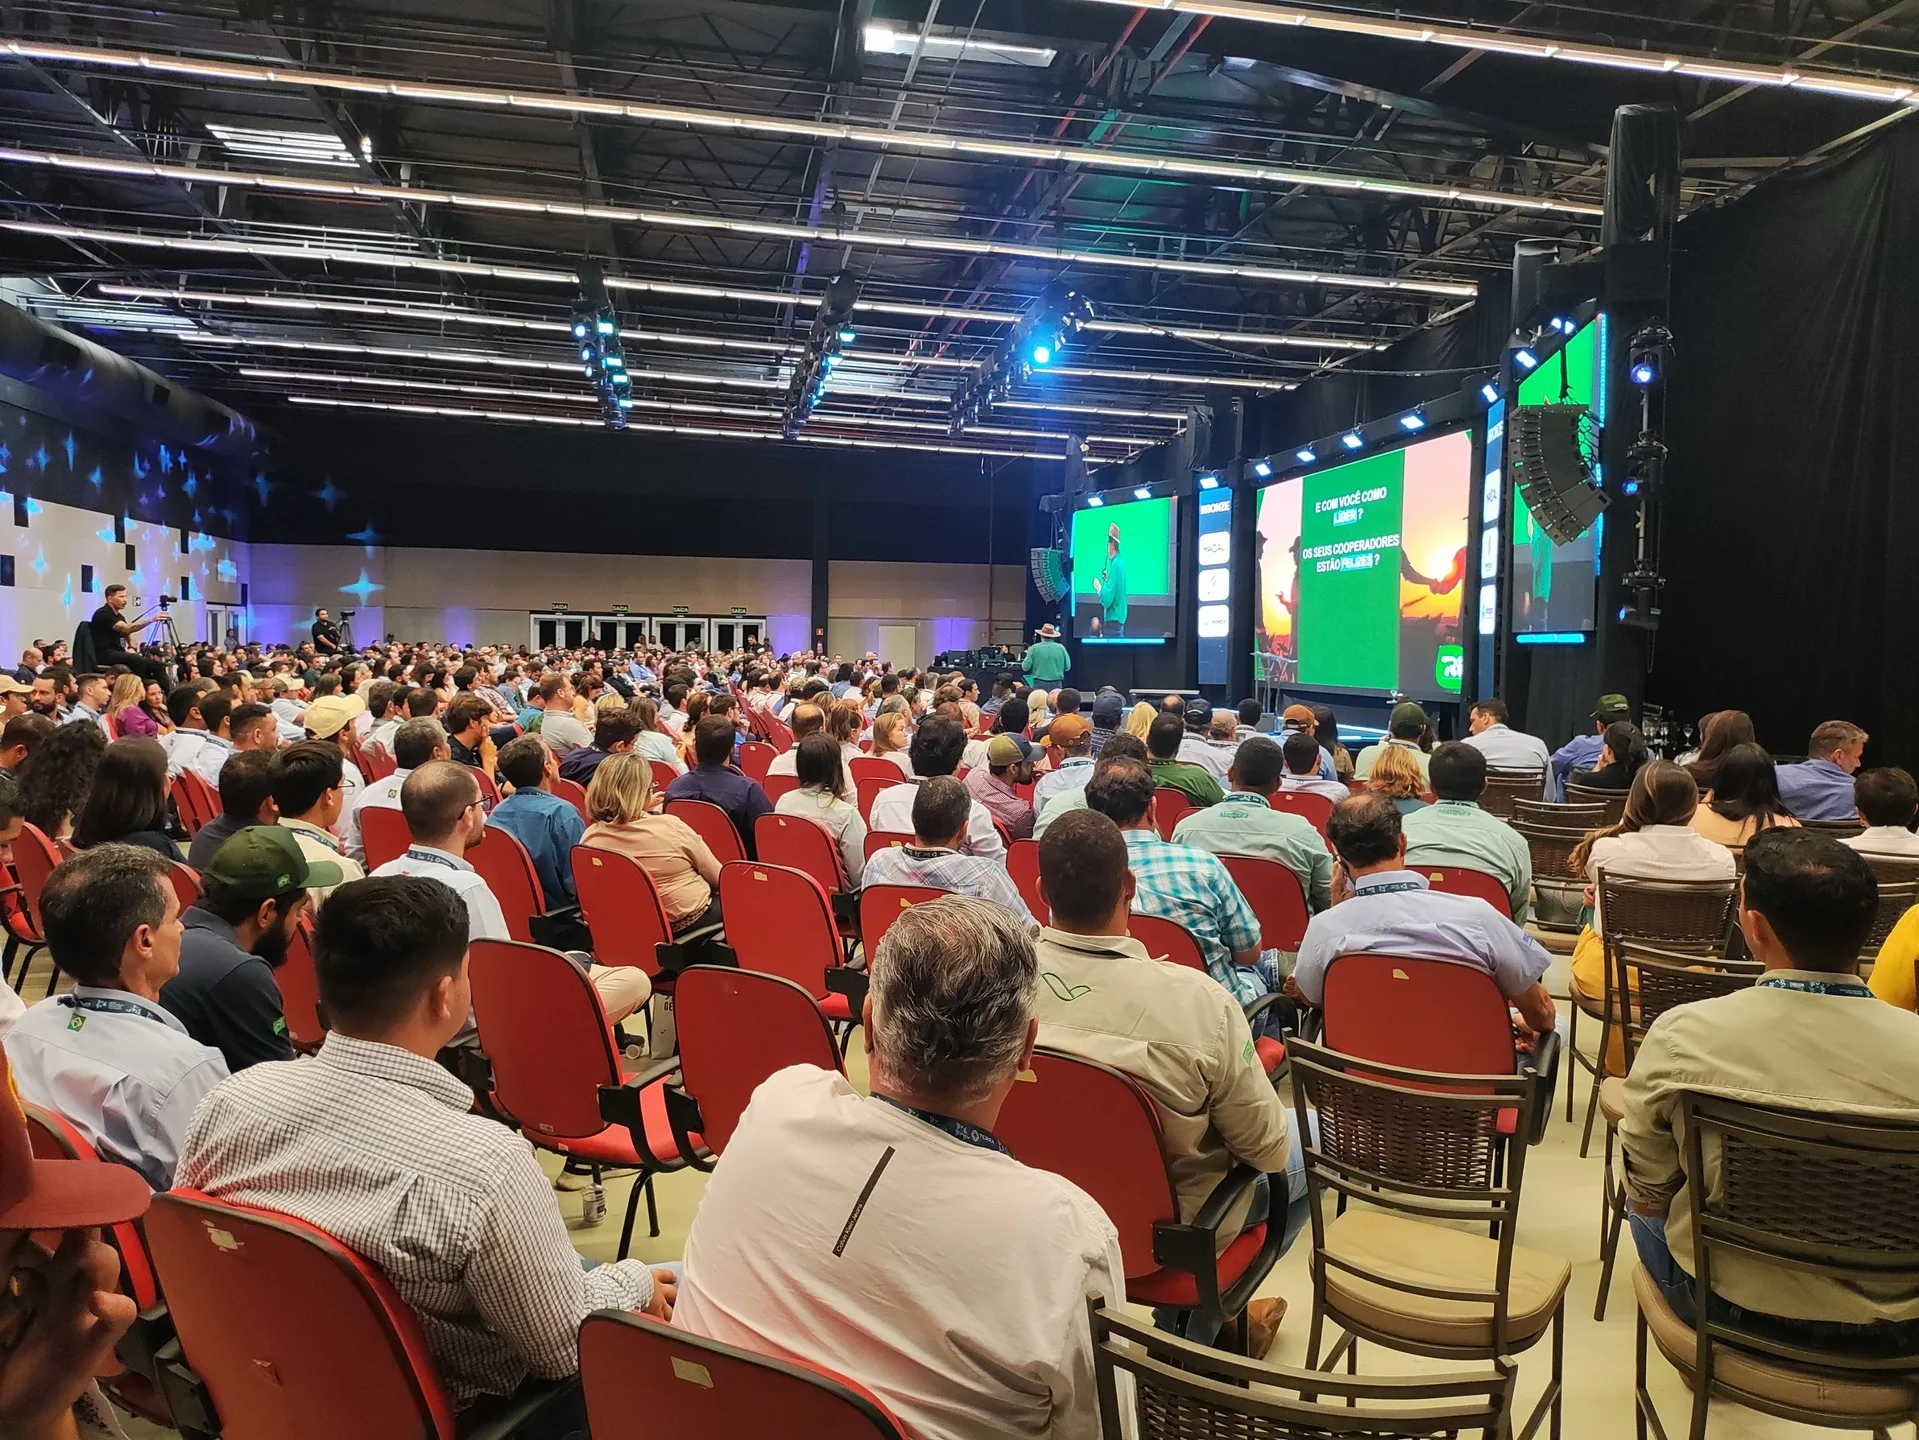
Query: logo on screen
1214	548
1215	584
1216	622
1449	669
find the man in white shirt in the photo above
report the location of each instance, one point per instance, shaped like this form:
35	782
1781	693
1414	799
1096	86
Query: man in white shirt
1196	749
936	750
441	802
197	714
1886	799
892	1238
1505	748
415	743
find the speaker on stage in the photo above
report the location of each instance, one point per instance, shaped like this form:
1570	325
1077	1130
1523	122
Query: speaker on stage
1552	468
1642	175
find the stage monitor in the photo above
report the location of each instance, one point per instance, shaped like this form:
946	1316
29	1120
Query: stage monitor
1362	573
1555	588
1126	572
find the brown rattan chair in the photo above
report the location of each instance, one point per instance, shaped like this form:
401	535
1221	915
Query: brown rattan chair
1688	918
1560	817
1612	803
1895	898
1661	986
1892	868
1505	788
1837	829
1816	1195
1558	889
1419	1155
1184	1391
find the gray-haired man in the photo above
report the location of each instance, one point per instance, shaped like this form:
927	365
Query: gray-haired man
892	1238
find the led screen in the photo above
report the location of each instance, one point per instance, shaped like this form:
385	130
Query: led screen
1126	572
1555	587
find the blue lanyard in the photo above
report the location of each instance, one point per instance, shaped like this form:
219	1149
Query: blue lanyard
958	1129
1851	988
101	1004
415	853
1392	887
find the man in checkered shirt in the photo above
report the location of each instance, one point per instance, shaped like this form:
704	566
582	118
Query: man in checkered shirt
374	1143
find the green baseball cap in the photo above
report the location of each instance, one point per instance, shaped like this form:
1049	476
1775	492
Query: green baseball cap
264	861
1611	708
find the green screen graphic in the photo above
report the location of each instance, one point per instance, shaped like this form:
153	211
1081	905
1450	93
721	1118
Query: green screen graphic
1349	575
1135	598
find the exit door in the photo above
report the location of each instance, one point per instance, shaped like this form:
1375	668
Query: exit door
668	630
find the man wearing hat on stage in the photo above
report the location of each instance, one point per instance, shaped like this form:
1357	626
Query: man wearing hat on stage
68	1313
1046	661
1111	586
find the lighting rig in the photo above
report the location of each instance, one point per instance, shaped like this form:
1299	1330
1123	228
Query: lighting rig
831	334
596	331
1035	343
1650	351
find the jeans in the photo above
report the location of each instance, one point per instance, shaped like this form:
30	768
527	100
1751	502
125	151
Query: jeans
1268	978
1298	1211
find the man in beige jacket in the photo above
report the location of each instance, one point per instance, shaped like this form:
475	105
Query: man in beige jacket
1173	1029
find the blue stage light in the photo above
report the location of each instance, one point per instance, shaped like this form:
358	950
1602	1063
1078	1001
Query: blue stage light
1306	455
1261	469
1631	487
848	334
606	327
1489	392
579	329
1527	360
1412	422
1042	354
1644	373
620	379
615	362
586	352
1353	440
832	362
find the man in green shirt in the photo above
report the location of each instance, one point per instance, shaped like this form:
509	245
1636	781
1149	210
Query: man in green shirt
1195	782
1245	823
1047	661
1111	586
1456	832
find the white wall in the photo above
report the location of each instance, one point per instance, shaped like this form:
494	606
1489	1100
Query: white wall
947	605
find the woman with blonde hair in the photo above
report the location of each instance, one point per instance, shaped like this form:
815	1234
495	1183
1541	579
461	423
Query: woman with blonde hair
125	714
1140	719
1396	775
619	804
890	741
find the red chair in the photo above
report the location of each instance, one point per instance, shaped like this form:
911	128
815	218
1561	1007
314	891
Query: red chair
34	861
384	833
291	1335
778	785
756	755
183	805
1458	880
695	1386
880	906
186	883
1095	1126
663	776
551	1052
868	787
300	991
780	921
622	907
711	824
799	844
574	793
53	1137
1277	898
1303	803
489	791
508	871
1170	806
865	767
379	765
1167	940
878	840
737	1027
1022	863
195	799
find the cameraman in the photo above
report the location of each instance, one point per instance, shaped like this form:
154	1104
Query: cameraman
110	634
326	635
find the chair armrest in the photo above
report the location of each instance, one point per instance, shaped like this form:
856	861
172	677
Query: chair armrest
677	955
1542	1065
139	1349
853	984
1256	1008
620	1104
538	1407
1232	1185
846	908
683	1115
188	1400
554	928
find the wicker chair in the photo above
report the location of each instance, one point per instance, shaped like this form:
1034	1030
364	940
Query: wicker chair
1612	802
1414	1148
1506	788
1688	919
1816	1195
1893	868
1837	829
1558	889
1184	1391
1662	986
1895	898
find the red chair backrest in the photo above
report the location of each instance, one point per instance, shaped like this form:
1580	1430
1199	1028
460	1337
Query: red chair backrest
779	921
52	1137
508	871
294	1334
545	1035
379	763
1166	940
736	1027
300	990
621	906
1095	1126
778	785
880	906
695	1386
1277	898
868	787
877	767
186	883
799	844
202	796
184	803
878	840
1458	880
711	824
489	791
384	832
1170	806
756	755
1022	864
34	860
1305	804
1418	1013
663	775
574	793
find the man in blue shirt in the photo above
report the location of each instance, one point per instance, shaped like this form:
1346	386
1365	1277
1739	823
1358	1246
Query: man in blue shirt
1820	786
1582	751
715	780
546	825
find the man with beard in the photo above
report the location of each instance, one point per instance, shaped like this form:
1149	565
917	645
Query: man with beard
253	896
43	696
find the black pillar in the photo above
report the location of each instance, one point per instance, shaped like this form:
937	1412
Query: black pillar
822	563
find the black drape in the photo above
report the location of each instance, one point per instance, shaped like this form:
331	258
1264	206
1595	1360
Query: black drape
1792	511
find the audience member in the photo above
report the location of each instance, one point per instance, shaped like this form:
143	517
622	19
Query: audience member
445	816
615	731
684	870
1245	823
57	775
310	793
1582	751
200	741
1196	747
466	721
108	1057
1622	751
1301	720
416	743
91	694
715	779
561	730
651	742
1123	746
1164	740
1506	748
936	750
1796	1036
820	797
18	739
1399	773
1247	718
808	718
1408	729
377	1145
1719	732
890	742
834	1218
252	727
127	802
1455	832
43	694
942	811
1109	715
1009	764
546	825
1886	801
246	798
1072	737
253	896
1820	786
1745	799
124	715
1306	763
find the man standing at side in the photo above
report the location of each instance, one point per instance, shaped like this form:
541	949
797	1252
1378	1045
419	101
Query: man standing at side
1046	661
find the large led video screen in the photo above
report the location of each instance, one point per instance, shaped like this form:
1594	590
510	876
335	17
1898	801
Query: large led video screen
1362	572
1555	587
1126	572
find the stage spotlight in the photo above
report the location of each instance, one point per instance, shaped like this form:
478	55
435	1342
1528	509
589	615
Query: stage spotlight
1262	469
615	362
1353	440
832	362
1631	487
1412	422
1143	492
1209	482
1042	354
1489	392
620	380
606	326
579	329
1306	455
847	334
1526	359
1641	610
1095	501
1561	325
1647	366
588	370
586	352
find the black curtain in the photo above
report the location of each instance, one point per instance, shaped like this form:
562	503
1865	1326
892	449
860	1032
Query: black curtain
1792	497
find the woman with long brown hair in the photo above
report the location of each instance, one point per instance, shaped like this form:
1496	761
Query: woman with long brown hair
1744	801
1719	733
127	802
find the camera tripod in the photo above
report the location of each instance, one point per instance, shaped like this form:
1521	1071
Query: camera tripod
169	632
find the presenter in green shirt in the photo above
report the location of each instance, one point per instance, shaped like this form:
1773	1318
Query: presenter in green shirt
1047	661
1111	585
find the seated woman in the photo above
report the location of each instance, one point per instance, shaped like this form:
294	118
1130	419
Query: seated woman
1744	801
127	804
1719	733
1622	753
57	774
683	869
844	724
822	777
653	742
890	741
154	703
124	713
1396	775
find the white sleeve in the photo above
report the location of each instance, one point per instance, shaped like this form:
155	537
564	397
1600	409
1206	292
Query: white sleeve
1075	1391
981	836
485	920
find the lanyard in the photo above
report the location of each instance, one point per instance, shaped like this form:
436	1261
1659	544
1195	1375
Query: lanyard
106	1005
429	858
958	1129
1391	887
1850	988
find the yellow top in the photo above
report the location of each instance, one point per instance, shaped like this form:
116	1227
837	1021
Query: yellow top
1892	978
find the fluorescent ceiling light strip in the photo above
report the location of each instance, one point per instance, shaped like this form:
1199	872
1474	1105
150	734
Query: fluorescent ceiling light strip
762	229
1230	337
473	357
1159	378
884	40
788	128
1113	412
1461	37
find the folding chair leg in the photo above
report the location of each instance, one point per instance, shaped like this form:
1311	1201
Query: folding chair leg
53	975
642	1180
1572	1046
652	1207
